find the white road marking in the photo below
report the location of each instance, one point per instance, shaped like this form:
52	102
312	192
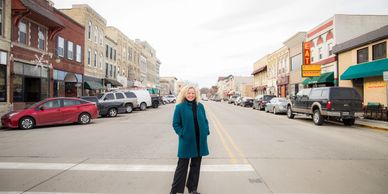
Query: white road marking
121	167
18	192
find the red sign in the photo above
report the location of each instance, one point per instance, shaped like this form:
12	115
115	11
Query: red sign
307	53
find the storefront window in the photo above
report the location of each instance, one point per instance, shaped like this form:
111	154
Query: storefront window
3	83
18	88
43	89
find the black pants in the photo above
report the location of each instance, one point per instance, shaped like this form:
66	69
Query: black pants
178	185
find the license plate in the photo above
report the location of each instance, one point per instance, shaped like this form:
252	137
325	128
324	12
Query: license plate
345	113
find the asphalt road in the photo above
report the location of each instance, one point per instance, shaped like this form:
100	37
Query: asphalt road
250	152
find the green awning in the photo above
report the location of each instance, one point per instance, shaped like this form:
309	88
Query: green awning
324	78
92	85
306	81
368	69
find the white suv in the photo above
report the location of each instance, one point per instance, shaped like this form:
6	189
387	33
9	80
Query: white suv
171	98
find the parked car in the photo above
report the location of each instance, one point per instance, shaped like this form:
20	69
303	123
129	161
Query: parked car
232	99
277	105
246	102
340	103
164	100
128	98
143	99
261	100
204	98
171	98
51	111
106	108
238	101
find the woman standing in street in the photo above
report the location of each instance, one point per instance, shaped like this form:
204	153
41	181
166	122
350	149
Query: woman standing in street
192	127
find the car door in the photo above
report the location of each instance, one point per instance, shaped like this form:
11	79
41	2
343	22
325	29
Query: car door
49	112
70	110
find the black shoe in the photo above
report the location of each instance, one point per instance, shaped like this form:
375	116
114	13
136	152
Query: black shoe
194	192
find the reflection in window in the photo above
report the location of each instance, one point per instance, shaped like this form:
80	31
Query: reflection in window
17	88
3	84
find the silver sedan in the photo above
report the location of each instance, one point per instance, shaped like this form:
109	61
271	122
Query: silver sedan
276	105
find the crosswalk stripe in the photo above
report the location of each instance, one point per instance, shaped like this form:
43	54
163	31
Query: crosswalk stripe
121	167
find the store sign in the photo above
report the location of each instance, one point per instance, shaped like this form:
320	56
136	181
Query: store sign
311	70
306	53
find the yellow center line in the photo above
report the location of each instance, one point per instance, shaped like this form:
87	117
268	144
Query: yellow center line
228	150
222	130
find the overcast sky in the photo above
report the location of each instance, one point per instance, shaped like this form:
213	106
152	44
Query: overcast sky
200	40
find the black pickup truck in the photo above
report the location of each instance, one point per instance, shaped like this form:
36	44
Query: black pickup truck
110	109
339	103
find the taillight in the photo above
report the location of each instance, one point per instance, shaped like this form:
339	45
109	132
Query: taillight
328	105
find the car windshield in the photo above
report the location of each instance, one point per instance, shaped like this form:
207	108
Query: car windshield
33	105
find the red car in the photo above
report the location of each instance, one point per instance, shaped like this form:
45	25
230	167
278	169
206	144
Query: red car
51	111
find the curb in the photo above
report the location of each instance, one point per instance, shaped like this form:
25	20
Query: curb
373	127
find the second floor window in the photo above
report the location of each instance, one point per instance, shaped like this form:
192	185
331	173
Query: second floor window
22	32
95	34
379	51
70	50
89	53
101	60
1	17
106	51
41	39
90	30
320	53
78	56
362	55
330	47
61	47
95	59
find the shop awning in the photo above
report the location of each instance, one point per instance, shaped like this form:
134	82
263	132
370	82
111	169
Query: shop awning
324	78
368	69
92	85
113	82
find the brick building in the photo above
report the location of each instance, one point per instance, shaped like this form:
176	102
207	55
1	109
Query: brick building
34	26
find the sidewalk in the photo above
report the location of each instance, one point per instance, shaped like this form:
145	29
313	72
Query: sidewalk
376	124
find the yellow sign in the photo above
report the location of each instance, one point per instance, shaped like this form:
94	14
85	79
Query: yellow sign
311	70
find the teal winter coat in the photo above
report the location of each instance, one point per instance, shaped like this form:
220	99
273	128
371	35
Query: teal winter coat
183	124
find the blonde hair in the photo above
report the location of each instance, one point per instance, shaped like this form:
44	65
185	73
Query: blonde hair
182	94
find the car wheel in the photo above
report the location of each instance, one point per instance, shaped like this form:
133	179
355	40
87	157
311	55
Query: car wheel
349	122
290	114
155	104
173	101
84	118
112	112
317	117
26	123
128	108
143	106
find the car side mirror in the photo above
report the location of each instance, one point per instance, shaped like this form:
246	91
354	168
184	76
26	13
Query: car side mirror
105	99
42	108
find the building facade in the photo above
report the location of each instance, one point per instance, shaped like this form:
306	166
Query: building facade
295	49
110	66
283	71
31	64
67	64
336	30
5	54
362	62
94	47
260	76
168	86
